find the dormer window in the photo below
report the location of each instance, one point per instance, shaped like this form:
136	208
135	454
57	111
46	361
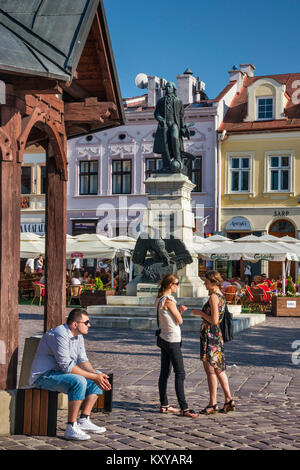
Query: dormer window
265	108
266	100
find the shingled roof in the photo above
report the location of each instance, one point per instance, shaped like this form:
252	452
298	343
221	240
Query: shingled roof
44	37
62	43
234	119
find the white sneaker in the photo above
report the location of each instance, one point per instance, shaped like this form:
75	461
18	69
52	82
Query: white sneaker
73	432
85	424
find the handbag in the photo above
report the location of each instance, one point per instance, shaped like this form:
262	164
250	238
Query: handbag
226	325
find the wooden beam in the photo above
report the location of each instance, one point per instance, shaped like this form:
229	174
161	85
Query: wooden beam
75	90
91	110
10	186
55	271
36	86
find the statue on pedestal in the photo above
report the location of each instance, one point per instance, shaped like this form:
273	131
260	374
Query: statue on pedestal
164	256
171	129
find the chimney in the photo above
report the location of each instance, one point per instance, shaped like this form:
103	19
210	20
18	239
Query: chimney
186	87
155	90
248	69
238	75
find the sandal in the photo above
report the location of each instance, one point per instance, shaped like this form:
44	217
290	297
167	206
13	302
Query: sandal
228	406
214	410
168	409
189	413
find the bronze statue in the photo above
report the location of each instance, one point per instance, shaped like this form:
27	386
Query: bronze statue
171	129
164	256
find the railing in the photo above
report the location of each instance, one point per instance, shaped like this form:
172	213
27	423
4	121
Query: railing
33	202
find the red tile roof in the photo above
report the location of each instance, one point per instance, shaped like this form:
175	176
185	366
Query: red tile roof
233	120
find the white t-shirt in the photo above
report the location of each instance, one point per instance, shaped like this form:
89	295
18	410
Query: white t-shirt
76	263
30	263
170	330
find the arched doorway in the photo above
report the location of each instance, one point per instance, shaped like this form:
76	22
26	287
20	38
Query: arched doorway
281	228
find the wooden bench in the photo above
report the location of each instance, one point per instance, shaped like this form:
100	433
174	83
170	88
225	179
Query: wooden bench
36	409
36	412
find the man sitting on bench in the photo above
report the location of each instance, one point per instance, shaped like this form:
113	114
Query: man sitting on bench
61	365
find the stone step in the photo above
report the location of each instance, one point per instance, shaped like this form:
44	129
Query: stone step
126	301
240	322
105	310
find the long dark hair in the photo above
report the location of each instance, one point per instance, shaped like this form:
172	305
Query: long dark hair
165	282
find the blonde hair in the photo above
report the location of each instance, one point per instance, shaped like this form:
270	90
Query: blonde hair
215	277
165	282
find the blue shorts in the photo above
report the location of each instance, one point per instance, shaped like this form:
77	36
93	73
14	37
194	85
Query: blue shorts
75	386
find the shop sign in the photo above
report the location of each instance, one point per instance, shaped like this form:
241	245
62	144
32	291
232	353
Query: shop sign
76	255
238	224
260	257
281	213
219	257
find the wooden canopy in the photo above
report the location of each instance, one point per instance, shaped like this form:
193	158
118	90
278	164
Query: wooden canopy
57	80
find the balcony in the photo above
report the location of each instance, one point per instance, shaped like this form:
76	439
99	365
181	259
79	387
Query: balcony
33	202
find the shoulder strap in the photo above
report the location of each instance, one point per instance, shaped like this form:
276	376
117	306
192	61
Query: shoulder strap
158	305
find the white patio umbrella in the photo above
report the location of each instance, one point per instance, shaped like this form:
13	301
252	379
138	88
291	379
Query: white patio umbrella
251	251
31	245
248	238
219	238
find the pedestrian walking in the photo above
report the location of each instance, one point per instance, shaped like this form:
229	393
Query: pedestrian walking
212	345
169	341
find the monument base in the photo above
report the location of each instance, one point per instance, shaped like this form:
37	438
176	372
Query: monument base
7	412
191	287
146	289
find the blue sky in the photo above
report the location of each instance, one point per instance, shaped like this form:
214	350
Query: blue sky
164	37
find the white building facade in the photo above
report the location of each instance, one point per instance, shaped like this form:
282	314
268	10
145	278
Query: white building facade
107	170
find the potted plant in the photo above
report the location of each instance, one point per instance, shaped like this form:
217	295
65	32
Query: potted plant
287	305
93	294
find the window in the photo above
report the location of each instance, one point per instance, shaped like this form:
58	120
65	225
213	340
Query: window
26	179
279	173
121	176
88	177
240	174
195	172
152	164
43	179
265	108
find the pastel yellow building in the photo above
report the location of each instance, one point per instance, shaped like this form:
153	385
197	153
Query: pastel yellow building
259	159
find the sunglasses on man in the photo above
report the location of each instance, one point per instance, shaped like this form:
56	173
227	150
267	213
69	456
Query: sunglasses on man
87	322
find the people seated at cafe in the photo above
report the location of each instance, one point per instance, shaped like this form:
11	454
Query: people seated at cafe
264	279
85	278
76	279
105	277
238	284
226	283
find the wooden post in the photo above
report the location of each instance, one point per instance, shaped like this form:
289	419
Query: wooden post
10	187
55	271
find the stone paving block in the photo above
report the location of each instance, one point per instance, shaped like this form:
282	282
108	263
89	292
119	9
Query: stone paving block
265	384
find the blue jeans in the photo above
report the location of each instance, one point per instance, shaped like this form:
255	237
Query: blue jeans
75	386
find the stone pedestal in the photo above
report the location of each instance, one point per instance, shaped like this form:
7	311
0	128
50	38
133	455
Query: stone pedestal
170	215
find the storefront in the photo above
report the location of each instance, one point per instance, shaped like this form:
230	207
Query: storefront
260	221
281	228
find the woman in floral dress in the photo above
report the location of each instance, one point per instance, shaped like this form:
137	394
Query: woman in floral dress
212	344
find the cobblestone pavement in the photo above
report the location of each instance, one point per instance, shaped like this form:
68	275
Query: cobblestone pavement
264	381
